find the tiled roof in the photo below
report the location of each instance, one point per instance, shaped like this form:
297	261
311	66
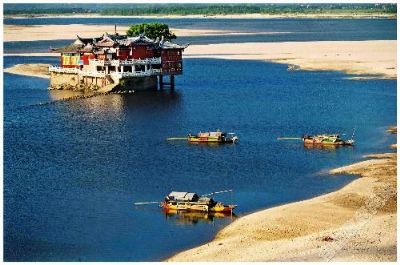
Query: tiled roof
109	40
69	48
170	45
139	40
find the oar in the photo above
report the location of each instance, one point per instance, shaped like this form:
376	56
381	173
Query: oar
145	203
176	138
216	192
289	138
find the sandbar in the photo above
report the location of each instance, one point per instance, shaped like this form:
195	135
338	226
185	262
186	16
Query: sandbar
36	70
376	58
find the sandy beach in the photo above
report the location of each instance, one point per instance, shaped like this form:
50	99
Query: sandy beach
355	223
376	58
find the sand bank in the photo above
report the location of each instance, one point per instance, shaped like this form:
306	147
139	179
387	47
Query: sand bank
355	223
56	32
37	70
377	57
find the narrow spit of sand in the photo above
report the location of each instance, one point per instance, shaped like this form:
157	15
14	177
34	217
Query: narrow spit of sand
355	223
370	59
36	70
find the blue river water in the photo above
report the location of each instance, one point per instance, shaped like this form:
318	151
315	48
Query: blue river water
73	169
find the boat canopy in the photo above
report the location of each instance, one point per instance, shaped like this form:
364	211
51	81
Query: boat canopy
329	135
183	196
206	200
210	134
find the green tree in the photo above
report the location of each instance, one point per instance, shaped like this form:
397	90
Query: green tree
151	30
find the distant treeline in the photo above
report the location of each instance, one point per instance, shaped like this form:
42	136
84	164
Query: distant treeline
230	9
200	9
39	11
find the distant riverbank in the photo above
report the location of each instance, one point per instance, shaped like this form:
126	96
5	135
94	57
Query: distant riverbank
231	16
355	223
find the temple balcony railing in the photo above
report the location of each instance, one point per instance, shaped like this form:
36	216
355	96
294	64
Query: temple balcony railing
93	73
97	62
136	73
149	72
153	60
58	69
112	63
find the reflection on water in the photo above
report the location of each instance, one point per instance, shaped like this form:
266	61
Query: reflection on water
63	94
193	218
210	144
325	147
163	99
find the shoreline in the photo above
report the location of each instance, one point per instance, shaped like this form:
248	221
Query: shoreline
338	226
230	16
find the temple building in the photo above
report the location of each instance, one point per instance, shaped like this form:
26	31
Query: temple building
117	62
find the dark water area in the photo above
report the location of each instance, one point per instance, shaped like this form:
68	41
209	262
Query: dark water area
73	169
283	29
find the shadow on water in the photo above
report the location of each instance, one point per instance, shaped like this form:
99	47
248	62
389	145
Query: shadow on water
193	218
114	102
160	99
325	147
56	95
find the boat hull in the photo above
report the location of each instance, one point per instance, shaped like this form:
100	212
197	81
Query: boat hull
210	140
313	142
218	208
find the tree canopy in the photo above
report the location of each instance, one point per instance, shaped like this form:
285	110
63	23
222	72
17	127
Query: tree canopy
151	30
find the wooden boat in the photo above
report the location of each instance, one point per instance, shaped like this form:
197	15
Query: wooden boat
213	137
326	139
191	202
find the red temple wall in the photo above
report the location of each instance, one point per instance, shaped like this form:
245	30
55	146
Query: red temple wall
123	54
86	57
139	52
